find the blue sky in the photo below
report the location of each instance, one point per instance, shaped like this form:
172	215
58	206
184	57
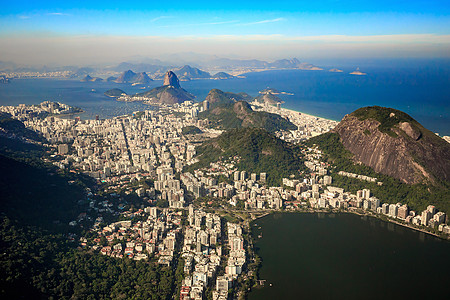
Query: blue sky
259	28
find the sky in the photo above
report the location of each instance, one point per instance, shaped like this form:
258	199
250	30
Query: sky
95	32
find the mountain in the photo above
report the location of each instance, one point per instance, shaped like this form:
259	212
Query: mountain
111	78
393	143
87	78
268	98
228	115
222	75
293	63
170	93
192	73
216	96
114	93
131	77
259	151
171	79
15	129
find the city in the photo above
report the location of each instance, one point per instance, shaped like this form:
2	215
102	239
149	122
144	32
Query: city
183	218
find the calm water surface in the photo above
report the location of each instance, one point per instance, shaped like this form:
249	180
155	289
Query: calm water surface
421	91
345	256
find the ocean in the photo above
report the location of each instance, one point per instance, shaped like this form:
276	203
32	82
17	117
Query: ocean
423	91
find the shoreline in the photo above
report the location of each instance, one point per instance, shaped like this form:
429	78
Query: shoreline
289	110
355	212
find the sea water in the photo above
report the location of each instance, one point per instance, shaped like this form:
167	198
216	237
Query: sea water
423	91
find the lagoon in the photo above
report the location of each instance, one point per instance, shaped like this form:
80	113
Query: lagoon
346	256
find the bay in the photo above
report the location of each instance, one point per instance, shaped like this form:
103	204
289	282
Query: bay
345	256
423	91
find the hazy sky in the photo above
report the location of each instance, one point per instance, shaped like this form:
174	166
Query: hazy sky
84	32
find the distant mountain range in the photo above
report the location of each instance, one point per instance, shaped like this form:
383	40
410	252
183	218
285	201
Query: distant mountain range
135	78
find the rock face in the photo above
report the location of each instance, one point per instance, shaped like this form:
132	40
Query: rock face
171	79
393	143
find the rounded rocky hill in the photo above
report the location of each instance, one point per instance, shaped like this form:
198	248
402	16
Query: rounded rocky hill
393	143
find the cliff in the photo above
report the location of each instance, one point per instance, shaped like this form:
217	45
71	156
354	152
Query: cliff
393	143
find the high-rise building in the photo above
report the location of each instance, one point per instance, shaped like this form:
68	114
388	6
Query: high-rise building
393	210
431	209
327	180
425	217
263	177
205	105
403	211
63	149
236	176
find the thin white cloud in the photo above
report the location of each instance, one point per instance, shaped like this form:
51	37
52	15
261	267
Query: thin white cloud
57	14
160	18
23	17
263	22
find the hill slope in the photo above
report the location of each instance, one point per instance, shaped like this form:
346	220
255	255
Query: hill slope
192	73
170	93
259	150
114	93
226	114
216	97
393	143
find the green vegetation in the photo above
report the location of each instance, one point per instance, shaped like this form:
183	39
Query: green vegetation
259	151
240	114
217	97
39	258
38	264
176	93
417	196
114	93
388	117
17	129
191	130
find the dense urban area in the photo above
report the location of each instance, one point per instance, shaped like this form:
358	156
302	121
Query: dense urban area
150	206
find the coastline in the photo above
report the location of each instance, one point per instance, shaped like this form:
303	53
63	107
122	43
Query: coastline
296	112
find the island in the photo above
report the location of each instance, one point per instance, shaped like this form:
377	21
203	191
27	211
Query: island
114	93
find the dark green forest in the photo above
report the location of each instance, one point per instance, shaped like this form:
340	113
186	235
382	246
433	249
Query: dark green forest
259	151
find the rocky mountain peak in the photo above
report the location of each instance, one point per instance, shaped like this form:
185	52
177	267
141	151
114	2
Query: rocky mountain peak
171	79
393	143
